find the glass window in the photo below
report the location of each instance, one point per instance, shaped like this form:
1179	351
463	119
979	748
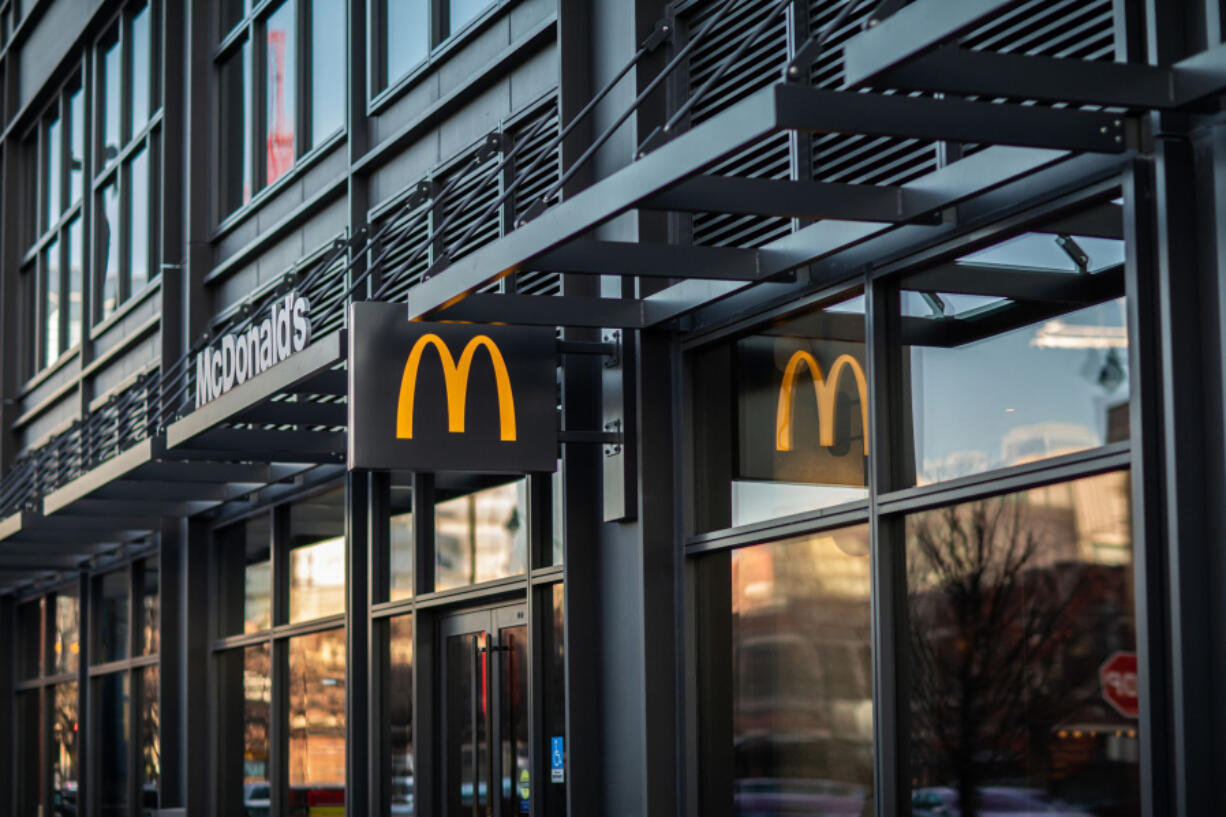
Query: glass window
557	551
111	618
999	381
235	129
53	180
407	35
28	769
149	631
52	302
65	727
1021	623
150	740
786	433
789	622
400	545
66	648
108	243
76	145
328	69
245	724
461	12
398	711
244	588
141	51
112	61
281	96
76	279
317	723
481	536
114	735
317	557
138	222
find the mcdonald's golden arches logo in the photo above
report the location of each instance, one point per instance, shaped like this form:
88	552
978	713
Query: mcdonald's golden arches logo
825	391
455	378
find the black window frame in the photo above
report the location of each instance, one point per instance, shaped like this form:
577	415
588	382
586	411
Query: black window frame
441	37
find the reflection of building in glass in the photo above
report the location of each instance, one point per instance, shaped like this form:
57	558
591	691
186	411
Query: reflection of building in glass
481	536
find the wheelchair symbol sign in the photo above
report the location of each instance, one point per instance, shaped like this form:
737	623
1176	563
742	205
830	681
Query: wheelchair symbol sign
557	761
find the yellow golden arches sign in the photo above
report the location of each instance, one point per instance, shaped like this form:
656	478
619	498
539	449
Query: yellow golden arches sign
825	390
455	377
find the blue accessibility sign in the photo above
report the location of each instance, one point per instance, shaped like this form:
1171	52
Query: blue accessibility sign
557	760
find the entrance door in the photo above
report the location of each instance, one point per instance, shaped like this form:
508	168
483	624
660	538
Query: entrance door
485	713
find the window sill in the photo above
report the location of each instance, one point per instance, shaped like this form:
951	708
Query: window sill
47	371
380	102
123	310
304	163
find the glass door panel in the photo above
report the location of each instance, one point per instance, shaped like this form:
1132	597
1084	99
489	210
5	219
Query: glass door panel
512	650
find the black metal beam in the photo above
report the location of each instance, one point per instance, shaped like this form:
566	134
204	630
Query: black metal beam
174	491
268	446
653	260
911	30
958	120
1069	288
286	412
795	199
559	310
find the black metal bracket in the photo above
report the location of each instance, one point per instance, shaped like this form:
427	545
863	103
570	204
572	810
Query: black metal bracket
609	439
584	347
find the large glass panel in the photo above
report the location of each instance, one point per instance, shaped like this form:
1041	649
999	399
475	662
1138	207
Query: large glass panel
66	648
461	12
138	222
515	788
108	249
31	639
111	617
281	96
790	624
113	737
328	70
65	727
76	145
465	715
245	723
779	418
317	557
1023	653
53	178
998	381
244	583
112	61
52	302
557	551
555	704
28	770
400	544
481	536
76	280
138	111
317	723
399	713
149	598
235	129
407	35
150	740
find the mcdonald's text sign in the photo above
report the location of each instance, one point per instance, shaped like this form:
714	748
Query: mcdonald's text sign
449	396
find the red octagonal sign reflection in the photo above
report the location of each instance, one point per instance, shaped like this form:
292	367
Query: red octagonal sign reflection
1118	675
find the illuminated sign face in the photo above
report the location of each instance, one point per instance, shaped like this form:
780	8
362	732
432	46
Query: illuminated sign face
237	358
802	410
449	397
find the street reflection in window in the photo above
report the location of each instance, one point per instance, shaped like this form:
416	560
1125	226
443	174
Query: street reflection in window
1022	647
150	738
399	712
244	731
317	724
797	635
65	727
67	645
481	536
400	543
280	117
113	734
111	628
317	557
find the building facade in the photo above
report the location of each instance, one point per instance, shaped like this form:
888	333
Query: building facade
881	452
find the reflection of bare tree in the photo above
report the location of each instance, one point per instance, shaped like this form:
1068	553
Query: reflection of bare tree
993	600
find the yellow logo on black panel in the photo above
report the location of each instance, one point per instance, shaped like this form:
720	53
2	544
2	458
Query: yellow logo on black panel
455	378
825	390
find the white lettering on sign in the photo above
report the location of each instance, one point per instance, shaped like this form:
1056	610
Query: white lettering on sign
239	357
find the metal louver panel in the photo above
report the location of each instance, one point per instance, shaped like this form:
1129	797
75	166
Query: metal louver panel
759	66
326	294
409	229
460	213
533	142
853	159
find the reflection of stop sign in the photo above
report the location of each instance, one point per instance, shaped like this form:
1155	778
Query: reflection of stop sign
1119	679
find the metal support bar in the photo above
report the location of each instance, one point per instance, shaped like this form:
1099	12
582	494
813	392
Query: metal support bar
592	437
559	310
653	260
585	347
